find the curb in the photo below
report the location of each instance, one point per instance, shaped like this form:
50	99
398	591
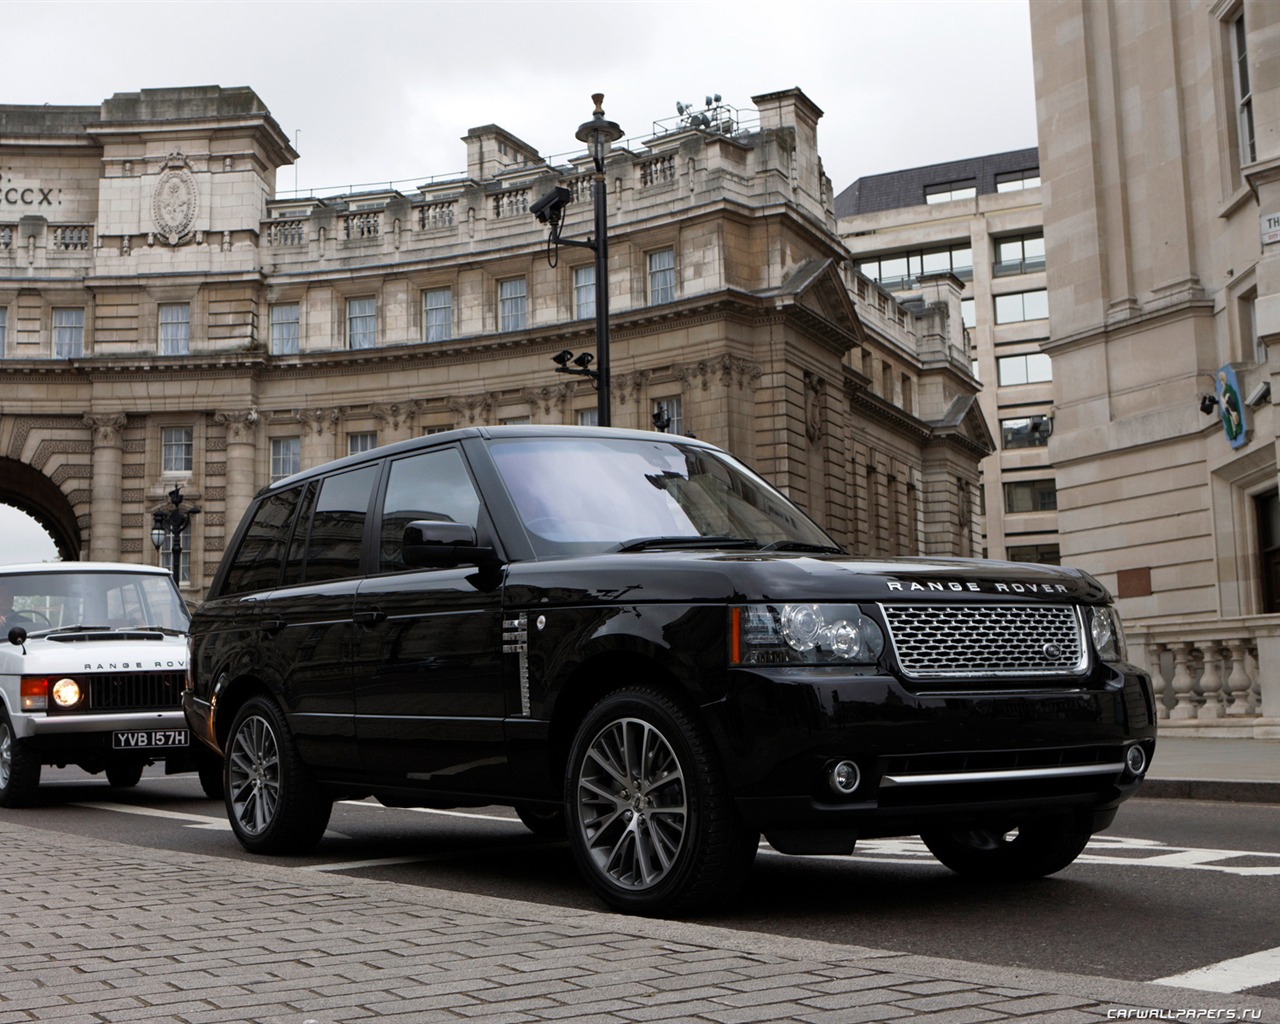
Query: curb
1210	789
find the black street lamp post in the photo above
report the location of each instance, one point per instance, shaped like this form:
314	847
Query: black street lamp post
173	522
599	135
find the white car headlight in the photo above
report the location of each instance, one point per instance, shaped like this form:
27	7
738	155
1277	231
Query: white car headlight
1107	634
803	634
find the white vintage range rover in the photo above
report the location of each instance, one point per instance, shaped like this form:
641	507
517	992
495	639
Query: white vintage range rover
93	660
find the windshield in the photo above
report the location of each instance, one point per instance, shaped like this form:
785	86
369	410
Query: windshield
587	494
40	601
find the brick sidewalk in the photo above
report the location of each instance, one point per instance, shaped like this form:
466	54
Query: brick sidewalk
96	931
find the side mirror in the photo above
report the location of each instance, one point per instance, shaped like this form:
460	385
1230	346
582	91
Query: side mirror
430	544
18	637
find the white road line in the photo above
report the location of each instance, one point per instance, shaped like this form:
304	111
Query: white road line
192	820
1234	975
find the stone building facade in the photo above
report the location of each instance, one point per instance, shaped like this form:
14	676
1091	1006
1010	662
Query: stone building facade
1160	151
166	320
979	219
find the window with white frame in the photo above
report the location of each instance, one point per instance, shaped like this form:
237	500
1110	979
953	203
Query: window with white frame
670	410
1034	368
365	441
177	448
68	333
589	417
284	328
166	554
362	323
175	328
512	307
1022	306
437	314
662	276
286	457
1243	90
584	292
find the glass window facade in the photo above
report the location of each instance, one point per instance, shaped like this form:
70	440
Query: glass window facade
904	269
1022	306
1021	255
1035	368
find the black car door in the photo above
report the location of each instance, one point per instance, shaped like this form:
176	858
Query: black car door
428	644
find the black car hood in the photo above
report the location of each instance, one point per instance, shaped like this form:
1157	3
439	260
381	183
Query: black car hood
700	576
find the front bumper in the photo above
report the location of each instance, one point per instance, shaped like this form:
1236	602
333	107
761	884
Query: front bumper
929	758
43	726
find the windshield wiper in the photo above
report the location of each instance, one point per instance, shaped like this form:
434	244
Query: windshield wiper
78	628
800	545
166	630
645	543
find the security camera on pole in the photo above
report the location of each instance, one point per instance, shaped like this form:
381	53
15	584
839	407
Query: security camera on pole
599	135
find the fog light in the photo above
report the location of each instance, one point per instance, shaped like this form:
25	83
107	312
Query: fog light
1135	759
844	777
66	693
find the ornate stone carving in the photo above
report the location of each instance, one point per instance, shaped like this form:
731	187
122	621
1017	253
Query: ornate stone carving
727	370
394	413
240	424
813	388
108	429
627	385
473	408
319	419
548	396
175	201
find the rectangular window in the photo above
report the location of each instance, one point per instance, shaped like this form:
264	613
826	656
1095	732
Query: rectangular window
1045	554
362	323
588	417
1022	306
584	292
166	554
286	457
337	525
176	449
662	276
365	441
260	557
1243	91
1035	368
903	270
1030	496
4	322
945	192
437	314
512	308
1024	432
968	313
433	486
284	329
1021	255
1016	181
175	329
669	411
68	333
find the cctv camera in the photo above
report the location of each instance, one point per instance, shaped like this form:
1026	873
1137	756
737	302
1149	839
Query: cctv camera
549	207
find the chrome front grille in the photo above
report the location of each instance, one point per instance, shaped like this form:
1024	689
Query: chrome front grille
969	641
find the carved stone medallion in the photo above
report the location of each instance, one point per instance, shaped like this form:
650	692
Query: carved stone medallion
175	200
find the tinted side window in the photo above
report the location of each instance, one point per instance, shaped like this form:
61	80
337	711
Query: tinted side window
257	563
293	563
337	526
433	486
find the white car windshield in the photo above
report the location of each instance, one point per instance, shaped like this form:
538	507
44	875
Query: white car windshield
588	494
42	602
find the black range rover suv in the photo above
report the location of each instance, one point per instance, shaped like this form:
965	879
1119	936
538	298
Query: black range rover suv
638	643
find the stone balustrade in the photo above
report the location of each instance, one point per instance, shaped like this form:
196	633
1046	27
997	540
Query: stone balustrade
1212	672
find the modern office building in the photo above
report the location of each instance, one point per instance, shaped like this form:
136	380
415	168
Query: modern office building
1159	132
167	321
979	219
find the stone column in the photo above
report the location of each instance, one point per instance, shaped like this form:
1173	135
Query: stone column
242	445
108	484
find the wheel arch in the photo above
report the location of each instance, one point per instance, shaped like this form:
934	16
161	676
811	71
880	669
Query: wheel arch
228	698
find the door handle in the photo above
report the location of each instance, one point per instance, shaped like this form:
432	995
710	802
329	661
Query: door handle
271	626
369	618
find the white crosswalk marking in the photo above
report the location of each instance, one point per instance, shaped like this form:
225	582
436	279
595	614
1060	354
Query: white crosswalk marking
192	820
1234	975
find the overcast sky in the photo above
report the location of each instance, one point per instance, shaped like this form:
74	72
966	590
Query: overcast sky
376	92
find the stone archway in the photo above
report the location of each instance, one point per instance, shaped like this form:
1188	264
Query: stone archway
32	492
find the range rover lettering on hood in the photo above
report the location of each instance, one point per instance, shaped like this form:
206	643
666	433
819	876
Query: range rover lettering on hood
978	588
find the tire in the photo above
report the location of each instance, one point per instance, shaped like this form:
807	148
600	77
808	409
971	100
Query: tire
272	802
542	821
19	769
123	776
209	768
651	822
1032	849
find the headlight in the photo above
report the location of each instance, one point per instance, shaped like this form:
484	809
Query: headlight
66	693
1107	634
803	634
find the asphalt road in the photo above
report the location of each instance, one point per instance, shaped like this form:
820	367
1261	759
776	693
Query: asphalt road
1174	886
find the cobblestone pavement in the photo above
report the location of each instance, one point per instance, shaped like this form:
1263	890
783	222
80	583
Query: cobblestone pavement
96	931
